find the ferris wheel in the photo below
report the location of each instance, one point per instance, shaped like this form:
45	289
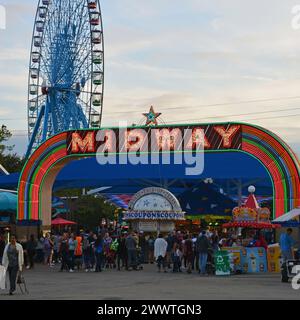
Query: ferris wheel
66	70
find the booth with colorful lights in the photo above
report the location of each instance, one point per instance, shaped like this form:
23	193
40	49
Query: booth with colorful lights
154	210
250	252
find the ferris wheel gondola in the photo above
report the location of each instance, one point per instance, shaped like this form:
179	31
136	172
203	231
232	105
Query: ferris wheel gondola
66	70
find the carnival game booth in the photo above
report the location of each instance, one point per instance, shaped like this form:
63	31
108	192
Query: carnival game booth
153	210
249	251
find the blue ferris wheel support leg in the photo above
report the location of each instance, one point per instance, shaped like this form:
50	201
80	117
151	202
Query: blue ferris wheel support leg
35	131
46	117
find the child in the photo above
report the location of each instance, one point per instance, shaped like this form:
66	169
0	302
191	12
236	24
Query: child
177	255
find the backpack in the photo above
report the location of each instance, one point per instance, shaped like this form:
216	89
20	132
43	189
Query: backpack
78	249
99	248
114	245
202	244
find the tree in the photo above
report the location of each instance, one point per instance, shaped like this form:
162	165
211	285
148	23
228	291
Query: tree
12	162
88	211
5	135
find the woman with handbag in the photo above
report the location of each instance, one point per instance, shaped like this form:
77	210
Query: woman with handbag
13	259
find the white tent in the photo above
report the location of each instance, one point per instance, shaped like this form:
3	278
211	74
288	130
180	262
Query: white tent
289	215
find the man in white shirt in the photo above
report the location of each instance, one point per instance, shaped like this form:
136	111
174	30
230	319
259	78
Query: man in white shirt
160	252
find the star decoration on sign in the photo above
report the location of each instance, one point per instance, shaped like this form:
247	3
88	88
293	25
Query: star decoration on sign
146	203
151	117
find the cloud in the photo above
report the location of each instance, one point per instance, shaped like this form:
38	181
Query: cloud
179	57
11	55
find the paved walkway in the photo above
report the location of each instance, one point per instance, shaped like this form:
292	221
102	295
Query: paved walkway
46	283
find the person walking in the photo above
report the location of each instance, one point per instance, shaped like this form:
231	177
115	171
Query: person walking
286	243
72	247
56	241
107	241
176	257
160	252
202	245
99	246
64	252
170	239
215	240
86	253
91	238
144	246
13	259
2	247
151	249
31	251
188	253
122	253
146	250
195	264
47	249
78	251
40	249
141	244
131	245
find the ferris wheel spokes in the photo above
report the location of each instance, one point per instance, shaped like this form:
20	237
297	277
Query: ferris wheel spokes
67	66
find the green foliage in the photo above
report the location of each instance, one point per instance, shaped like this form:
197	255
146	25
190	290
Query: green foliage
10	161
68	193
5	134
88	211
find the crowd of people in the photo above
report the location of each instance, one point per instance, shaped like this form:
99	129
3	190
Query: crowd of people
91	251
113	249
118	249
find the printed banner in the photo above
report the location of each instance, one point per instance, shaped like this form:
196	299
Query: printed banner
254	260
235	258
274	258
154	216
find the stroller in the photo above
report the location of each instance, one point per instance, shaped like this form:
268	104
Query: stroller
22	283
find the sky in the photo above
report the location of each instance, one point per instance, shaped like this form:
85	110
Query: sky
193	60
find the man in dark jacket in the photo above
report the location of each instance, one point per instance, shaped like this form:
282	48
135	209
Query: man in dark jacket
64	252
171	239
144	247
131	245
122	252
31	251
202	245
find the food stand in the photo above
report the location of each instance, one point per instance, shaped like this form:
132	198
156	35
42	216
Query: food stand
249	254
154	210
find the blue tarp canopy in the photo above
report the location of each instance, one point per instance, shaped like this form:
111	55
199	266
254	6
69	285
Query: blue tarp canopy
206	199
8	202
128	179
